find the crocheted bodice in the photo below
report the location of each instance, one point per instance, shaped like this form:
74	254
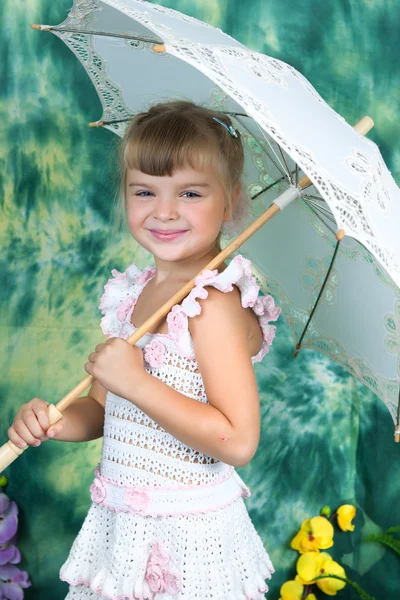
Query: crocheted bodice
136	450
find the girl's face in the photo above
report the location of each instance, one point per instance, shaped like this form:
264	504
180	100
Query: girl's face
175	217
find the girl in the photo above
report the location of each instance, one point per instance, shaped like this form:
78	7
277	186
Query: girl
181	409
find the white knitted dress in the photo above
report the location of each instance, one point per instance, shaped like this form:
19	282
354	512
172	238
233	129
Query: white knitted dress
167	522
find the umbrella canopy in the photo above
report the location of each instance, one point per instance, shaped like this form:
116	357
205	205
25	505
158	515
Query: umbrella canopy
138	54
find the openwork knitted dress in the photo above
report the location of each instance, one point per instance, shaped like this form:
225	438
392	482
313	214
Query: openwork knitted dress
167	522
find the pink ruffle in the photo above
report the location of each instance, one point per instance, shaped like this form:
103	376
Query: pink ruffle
122	291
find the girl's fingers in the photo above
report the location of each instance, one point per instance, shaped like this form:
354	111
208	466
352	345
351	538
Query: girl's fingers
92	357
42	415
24	433
99	347
55	430
15	438
33	425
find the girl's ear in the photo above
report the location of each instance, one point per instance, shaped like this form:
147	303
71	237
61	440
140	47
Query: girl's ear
230	210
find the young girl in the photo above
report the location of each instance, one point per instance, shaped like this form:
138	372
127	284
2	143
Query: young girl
181	409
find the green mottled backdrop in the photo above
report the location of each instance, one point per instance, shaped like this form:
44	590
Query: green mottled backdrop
325	438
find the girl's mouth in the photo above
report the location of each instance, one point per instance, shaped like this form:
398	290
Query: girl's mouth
167	235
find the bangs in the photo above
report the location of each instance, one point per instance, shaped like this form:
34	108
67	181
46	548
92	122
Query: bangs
160	146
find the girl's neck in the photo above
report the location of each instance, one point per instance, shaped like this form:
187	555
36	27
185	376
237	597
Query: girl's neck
184	270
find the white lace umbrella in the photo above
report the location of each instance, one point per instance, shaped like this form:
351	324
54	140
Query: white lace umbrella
137	53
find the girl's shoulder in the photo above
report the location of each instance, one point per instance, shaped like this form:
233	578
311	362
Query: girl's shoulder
123	289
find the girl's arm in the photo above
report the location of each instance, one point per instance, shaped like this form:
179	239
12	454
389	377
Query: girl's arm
228	428
82	421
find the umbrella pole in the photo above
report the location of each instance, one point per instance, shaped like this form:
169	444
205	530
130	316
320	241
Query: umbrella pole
10	452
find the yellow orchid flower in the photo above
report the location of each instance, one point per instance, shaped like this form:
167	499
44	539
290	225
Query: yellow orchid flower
311	597
330	586
345	514
315	534
309	566
291	590
313	564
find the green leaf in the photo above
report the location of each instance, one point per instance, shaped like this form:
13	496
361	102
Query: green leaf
385	539
395	529
363	595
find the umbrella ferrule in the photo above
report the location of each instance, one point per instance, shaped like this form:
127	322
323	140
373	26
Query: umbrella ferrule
287	197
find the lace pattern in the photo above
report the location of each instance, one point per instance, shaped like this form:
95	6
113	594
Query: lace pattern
134	446
219	60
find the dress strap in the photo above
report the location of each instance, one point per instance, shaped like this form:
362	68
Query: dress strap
120	296
237	273
123	289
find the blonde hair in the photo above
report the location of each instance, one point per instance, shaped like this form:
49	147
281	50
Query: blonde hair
174	134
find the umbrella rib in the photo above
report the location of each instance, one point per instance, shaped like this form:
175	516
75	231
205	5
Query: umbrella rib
322	209
280	168
319	216
298	345
273	151
286	165
315	198
271	185
125	36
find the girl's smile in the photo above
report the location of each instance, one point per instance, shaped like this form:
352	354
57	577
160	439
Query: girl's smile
185	209
167	235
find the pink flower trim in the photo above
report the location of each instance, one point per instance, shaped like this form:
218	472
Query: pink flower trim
97	590
165	488
125	308
145	275
154	353
97	491
177	322
206	277
237	273
118	276
160	576
138	500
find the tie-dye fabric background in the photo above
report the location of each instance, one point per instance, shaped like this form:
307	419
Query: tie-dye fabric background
57	192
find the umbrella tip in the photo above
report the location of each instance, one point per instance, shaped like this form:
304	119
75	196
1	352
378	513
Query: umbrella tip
41	27
158	48
364	125
96	124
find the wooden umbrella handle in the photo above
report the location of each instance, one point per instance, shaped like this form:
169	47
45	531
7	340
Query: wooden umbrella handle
10	452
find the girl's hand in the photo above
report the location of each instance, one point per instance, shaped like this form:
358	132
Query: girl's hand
30	424
118	366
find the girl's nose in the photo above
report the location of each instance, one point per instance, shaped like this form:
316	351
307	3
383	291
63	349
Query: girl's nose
166	208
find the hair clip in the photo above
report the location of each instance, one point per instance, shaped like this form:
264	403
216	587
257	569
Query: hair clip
229	128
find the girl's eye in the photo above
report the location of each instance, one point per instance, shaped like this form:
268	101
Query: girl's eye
192	194
144	193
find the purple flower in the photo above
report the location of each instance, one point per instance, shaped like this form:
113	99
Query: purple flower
8	519
139	500
9	553
12	580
